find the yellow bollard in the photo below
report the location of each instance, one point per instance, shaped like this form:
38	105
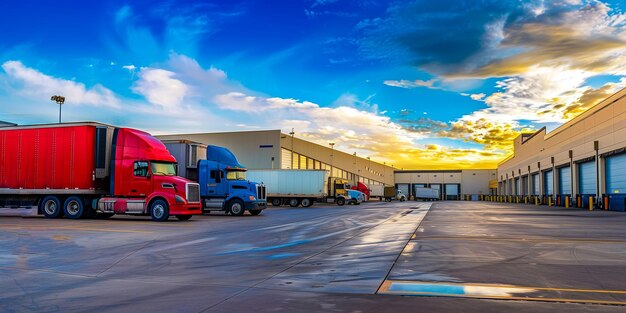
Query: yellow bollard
590	203
549	201
517	200
536	200
566	202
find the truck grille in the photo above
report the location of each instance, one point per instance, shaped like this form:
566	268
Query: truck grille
193	192
260	192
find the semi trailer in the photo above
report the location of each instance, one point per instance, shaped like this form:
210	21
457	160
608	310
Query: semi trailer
223	182
301	187
89	169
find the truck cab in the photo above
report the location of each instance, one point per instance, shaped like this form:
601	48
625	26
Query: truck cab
338	190
222	179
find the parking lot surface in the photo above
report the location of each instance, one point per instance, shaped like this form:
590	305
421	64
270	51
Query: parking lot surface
376	257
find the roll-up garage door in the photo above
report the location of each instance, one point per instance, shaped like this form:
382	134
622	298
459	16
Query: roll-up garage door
525	185
517	187
548	183
616	174
438	187
616	181
587	178
535	183
404	188
452	191
565	181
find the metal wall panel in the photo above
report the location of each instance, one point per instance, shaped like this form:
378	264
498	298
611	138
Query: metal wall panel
565	180
587	178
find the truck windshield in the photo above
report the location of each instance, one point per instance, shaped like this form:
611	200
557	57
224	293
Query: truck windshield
162	168
236	175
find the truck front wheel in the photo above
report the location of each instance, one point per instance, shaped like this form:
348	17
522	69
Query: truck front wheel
74	207
159	211
341	201
235	207
51	207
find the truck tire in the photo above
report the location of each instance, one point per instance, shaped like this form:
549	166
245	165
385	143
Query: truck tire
294	202
183	217
159	211
341	201
74	207
277	201
306	202
235	207
51	207
255	212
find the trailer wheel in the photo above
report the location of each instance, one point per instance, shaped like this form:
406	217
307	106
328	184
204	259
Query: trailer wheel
159	211
294	202
306	202
341	201
183	217
73	207
277	201
51	207
235	207
255	212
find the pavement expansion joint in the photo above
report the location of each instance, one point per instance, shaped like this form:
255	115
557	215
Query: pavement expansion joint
503	292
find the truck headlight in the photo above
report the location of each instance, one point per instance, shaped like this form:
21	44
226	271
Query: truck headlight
179	199
252	198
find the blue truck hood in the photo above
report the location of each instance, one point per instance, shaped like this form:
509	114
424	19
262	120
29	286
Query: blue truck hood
222	155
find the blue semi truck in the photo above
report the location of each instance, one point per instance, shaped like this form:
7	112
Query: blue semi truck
222	179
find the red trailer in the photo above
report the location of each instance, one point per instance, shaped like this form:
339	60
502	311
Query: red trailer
85	169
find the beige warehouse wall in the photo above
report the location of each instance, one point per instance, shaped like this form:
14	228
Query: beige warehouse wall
254	149
346	161
471	181
604	123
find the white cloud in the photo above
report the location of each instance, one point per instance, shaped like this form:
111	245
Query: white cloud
408	84
477	96
31	83
160	87
131	68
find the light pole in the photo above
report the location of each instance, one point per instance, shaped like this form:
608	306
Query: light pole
332	152
355	179
369	168
291	133
59	100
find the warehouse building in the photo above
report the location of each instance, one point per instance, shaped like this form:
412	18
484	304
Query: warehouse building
272	149
583	157
452	184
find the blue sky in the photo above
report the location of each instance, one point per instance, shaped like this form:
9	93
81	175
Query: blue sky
419	84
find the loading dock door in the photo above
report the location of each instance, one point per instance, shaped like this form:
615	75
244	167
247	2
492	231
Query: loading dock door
405	189
616	181
438	187
565	181
452	192
535	183
587	178
525	185
548	183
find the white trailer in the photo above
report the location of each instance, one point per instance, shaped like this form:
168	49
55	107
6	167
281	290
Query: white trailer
428	194
293	187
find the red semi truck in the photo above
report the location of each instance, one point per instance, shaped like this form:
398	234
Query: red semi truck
91	169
